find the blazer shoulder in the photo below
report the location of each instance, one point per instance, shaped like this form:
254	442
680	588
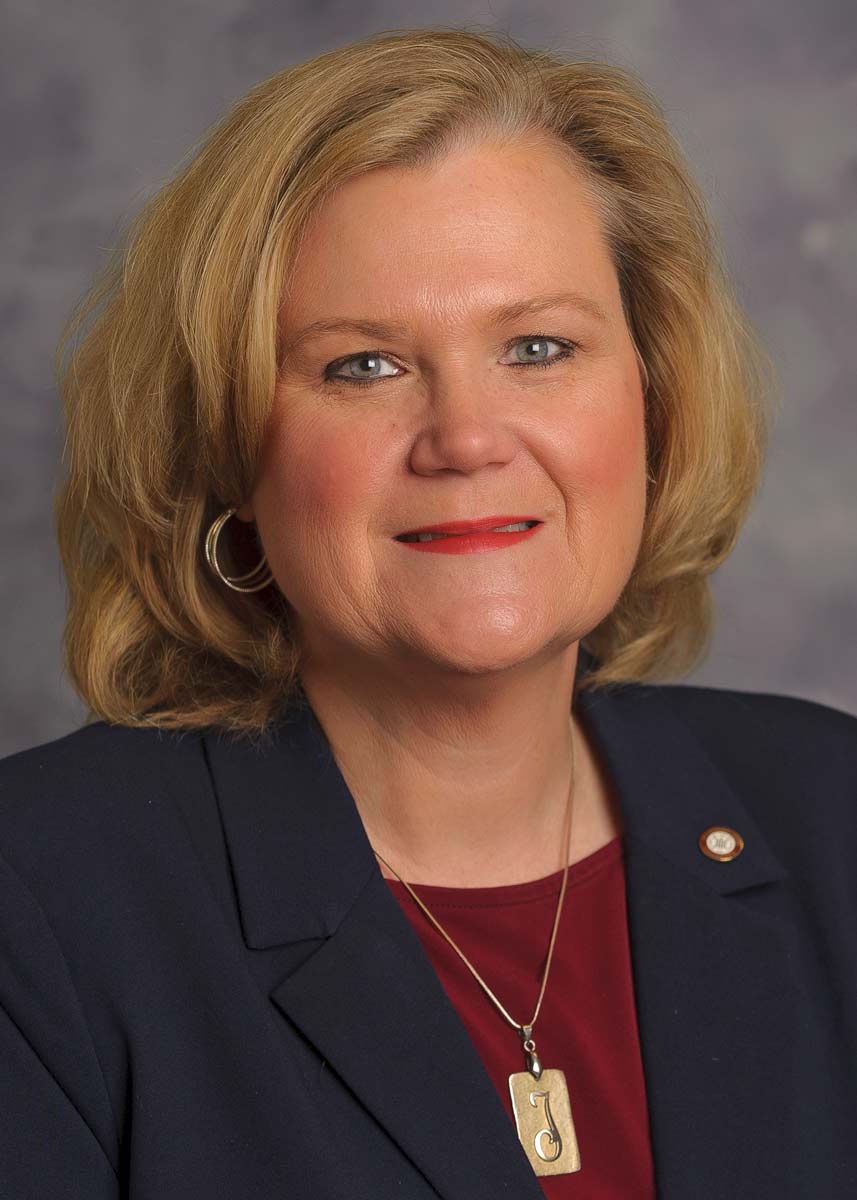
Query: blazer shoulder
93	795
92	762
780	713
793	759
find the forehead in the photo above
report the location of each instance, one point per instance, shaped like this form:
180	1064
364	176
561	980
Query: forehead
483	227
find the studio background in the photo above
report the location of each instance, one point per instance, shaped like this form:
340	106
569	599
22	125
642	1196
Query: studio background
100	101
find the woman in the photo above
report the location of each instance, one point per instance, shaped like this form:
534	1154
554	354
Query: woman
384	868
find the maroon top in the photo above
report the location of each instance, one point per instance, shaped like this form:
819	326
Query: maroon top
587	1026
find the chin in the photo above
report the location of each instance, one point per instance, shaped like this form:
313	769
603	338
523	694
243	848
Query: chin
500	646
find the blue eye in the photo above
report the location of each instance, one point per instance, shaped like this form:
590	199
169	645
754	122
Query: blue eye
369	357
540	340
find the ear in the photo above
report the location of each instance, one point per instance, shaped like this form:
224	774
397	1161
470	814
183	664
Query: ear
245	512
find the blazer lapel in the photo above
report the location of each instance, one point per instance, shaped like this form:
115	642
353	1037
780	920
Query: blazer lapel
710	942
367	997
371	1002
713	959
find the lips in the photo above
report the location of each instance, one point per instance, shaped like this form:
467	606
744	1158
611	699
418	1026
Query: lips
483	525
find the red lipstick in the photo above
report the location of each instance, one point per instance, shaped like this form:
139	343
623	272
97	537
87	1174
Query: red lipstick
468	537
468	526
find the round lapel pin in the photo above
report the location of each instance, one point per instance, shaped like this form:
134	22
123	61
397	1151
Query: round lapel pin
721	843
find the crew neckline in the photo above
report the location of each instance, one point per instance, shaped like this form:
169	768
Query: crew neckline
512	893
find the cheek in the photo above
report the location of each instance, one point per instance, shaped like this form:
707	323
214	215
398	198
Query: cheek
614	446
607	469
313	476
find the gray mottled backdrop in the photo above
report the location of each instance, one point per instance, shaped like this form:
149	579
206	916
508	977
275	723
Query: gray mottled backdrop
101	100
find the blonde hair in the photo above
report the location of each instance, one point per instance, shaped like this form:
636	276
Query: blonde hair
167	391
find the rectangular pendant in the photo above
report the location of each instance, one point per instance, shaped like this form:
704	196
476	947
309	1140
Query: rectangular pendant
543	1117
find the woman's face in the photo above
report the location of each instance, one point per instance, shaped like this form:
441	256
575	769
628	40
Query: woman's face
456	420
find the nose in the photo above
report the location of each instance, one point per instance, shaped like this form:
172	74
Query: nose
465	427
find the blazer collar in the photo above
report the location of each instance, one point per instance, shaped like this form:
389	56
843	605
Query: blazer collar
669	788
300	855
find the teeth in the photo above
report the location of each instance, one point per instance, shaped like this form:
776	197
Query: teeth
514	528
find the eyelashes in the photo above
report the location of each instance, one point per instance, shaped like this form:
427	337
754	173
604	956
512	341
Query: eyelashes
568	349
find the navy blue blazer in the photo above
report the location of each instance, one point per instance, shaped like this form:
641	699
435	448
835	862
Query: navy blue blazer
208	990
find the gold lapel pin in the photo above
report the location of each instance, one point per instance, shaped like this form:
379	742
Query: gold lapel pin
721	843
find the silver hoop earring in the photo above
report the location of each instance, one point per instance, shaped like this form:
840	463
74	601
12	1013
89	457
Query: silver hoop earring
252	581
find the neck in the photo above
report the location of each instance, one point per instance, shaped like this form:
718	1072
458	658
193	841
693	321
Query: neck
468	788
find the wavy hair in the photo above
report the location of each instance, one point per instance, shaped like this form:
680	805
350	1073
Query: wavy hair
174	358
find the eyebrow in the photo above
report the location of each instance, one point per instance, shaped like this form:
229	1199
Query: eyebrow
499	314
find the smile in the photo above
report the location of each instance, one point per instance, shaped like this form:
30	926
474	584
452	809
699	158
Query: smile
470	543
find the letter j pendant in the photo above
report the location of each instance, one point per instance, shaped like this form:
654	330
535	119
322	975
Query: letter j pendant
543	1114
